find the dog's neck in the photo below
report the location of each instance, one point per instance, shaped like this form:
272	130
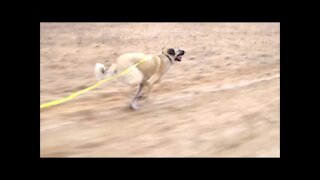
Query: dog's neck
167	62
168	57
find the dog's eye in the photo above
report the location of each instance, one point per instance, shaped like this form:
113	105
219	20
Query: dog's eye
171	52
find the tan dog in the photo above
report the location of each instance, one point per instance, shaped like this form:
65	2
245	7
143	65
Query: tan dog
146	74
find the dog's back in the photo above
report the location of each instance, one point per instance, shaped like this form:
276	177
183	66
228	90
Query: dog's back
147	68
129	59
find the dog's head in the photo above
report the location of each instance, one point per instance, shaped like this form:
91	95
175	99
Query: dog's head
175	54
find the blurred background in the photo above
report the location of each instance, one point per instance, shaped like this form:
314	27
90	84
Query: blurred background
221	100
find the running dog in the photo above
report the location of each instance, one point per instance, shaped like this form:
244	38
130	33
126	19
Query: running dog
144	75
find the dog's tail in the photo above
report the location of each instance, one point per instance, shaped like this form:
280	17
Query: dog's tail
101	73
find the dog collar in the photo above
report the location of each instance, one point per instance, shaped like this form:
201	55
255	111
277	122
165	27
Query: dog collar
168	57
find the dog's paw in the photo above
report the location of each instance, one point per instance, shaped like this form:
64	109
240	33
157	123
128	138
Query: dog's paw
134	106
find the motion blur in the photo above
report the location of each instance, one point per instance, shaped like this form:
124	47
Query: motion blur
221	100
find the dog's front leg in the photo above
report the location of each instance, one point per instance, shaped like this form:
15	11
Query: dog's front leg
149	85
133	104
148	89
154	79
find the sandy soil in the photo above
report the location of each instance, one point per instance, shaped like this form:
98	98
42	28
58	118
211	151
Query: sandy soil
222	100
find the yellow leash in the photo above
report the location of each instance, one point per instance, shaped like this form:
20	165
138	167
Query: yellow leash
72	96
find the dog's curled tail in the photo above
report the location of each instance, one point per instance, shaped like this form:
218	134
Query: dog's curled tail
101	73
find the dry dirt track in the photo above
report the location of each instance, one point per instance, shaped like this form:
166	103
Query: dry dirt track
222	100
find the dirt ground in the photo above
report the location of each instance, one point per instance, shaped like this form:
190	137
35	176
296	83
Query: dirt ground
221	100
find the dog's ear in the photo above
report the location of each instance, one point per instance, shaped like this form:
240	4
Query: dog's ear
171	52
